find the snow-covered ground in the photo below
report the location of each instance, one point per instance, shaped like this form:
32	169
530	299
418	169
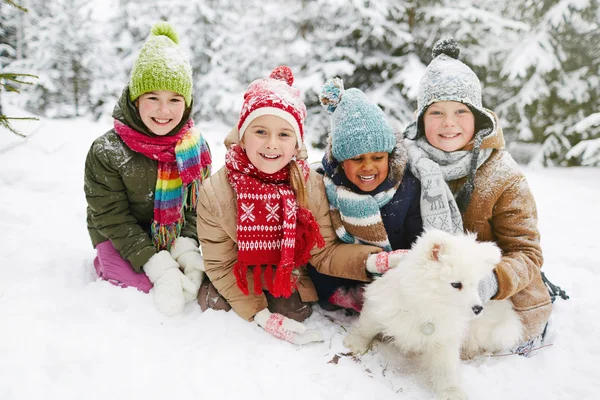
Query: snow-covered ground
64	335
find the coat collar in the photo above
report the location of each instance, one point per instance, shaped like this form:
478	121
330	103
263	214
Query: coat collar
398	160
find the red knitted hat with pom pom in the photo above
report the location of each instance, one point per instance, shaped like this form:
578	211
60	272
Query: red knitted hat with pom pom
274	96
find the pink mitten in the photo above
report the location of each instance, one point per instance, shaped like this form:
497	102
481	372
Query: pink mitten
380	263
287	329
351	298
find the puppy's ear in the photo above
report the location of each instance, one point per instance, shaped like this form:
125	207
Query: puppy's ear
435	251
433	242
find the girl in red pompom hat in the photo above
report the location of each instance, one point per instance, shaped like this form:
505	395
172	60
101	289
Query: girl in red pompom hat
265	215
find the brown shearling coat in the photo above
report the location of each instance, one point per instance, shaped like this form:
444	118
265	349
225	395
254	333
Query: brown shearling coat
502	210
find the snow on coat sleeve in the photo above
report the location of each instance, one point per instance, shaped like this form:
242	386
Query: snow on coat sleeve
108	209
514	223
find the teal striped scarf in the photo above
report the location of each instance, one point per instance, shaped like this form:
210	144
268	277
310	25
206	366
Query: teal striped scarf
356	217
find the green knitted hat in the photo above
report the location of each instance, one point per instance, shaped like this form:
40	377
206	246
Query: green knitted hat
161	65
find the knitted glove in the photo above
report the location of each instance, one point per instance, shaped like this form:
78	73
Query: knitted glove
351	298
287	329
187	254
169	283
488	287
380	263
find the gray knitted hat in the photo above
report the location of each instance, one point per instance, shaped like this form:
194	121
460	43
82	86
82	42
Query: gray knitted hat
448	79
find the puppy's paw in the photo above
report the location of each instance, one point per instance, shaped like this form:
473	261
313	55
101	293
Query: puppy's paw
452	393
468	353
356	343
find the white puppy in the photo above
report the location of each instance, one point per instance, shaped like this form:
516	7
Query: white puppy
428	305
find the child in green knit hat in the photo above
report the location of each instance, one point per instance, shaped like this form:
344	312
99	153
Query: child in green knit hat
143	176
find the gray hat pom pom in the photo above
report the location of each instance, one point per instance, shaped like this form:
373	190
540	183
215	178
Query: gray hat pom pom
331	94
448	47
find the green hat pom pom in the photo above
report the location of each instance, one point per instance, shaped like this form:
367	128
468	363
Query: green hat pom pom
331	94
163	28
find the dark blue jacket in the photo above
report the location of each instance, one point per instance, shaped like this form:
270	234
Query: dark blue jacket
402	215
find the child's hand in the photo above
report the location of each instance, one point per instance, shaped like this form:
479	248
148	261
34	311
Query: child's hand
380	263
196	277
187	254
287	329
170	283
488	287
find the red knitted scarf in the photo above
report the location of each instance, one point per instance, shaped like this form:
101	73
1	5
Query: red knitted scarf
272	230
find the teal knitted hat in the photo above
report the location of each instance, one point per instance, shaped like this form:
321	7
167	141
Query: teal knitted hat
358	126
161	65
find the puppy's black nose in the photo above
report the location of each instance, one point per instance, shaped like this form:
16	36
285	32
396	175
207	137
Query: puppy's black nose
477	309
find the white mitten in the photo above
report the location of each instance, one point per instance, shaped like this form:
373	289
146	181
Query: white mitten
287	329
169	283
187	254
380	263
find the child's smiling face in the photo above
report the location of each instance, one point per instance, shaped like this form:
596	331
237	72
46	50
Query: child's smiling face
367	171
270	143
449	125
161	110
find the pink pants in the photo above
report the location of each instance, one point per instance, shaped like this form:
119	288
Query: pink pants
111	267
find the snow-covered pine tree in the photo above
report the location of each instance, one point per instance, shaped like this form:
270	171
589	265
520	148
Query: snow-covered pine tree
552	75
202	28
61	48
11	28
365	43
484	31
241	43
7	38
123	33
587	151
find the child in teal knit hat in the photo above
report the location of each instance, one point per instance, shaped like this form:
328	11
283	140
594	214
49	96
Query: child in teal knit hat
374	198
143	176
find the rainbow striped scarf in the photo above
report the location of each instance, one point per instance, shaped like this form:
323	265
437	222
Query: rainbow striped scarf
184	161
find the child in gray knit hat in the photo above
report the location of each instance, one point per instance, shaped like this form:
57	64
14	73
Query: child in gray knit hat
470	183
373	197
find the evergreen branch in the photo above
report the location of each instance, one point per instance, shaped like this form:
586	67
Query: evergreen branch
4	121
12	77
9	76
10	89
19	7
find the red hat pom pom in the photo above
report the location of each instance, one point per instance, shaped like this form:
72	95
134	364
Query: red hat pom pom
283	73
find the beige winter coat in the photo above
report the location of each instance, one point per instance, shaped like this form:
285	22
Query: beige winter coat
502	209
217	216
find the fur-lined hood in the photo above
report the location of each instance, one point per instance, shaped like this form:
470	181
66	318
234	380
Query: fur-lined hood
493	138
398	160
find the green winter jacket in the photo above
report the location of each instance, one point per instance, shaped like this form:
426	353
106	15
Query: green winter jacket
119	187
